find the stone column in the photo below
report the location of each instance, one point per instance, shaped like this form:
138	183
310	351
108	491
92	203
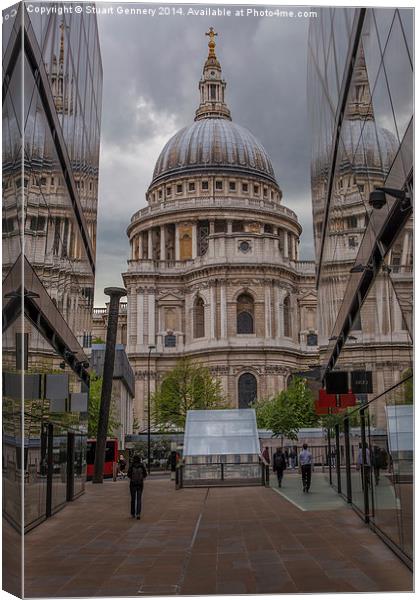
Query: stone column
212	312
211	251
177	244
150	244
293	248
379	304
128	317
280	296
140	318
151	315
194	241
404	254
140	243
69	250
286	244
50	237
76	246
267	310
162	242
397	314
229	226
223	311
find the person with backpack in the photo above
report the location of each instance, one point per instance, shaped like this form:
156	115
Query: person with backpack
137	474
279	464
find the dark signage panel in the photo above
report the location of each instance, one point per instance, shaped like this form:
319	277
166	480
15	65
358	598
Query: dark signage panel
170	341
337	382
361	382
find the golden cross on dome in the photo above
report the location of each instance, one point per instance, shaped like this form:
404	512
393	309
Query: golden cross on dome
212	44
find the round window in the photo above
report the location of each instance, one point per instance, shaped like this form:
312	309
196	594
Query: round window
244	246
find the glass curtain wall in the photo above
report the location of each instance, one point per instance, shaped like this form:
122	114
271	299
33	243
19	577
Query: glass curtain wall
360	85
49	210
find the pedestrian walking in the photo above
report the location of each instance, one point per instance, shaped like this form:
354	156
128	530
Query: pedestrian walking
173	459
266	455
122	463
376	463
279	464
293	458
305	465
137	474
364	466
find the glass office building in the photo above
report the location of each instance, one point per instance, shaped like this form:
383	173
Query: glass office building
360	99
52	87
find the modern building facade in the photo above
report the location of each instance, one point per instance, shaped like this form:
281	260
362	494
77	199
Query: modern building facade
49	239
360	95
214	271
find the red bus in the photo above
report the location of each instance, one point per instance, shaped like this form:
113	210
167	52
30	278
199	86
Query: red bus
111	456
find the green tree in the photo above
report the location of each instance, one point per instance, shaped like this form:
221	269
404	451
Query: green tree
95	390
405	392
159	450
288	411
187	386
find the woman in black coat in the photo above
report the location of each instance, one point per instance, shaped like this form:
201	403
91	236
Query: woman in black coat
279	464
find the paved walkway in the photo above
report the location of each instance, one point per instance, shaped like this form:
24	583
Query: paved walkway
204	541
321	496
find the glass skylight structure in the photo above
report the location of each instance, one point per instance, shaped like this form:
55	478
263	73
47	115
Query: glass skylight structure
221	447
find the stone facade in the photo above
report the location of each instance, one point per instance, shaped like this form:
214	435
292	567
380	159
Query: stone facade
214	271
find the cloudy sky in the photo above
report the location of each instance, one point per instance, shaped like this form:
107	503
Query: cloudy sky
152	66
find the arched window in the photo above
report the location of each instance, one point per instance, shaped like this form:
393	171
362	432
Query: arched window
245	314
247	390
286	317
198	318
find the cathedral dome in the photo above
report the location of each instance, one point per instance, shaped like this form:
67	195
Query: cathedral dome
213	143
368	145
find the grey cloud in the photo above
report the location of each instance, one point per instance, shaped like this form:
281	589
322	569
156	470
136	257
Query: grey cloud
159	62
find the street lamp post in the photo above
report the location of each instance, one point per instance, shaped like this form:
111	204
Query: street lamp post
148	411
115	295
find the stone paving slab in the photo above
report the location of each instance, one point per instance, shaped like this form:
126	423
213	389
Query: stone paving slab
204	541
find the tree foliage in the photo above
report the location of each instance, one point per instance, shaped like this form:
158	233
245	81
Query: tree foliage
288	411
187	386
405	393
95	390
159	449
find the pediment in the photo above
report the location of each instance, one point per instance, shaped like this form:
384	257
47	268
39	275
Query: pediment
170	298
309	296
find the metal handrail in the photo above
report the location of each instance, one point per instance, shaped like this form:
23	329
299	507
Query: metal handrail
263	464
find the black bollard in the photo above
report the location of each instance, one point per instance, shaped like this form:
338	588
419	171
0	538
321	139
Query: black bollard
111	336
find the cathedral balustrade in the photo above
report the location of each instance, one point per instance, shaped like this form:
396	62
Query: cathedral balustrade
305	266
225	202
180	266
